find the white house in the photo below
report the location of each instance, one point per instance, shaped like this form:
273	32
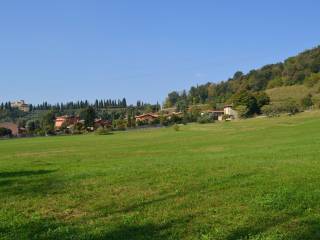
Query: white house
228	110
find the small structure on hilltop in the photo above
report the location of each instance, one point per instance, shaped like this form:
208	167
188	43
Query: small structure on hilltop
68	120
12	126
21	105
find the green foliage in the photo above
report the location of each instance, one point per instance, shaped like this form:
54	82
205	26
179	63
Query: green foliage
172	99
303	68
307	102
247	99
47	122
5	132
312	80
243	111
88	115
102	131
276	82
271	110
121	124
194	113
176	127
290	107
33	126
262	98
78	128
205	118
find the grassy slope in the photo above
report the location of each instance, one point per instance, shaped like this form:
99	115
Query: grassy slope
296	92
253	179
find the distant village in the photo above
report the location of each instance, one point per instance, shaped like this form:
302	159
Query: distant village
87	121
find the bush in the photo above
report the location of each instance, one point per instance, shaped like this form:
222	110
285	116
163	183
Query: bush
243	111
176	127
312	80
78	128
155	121
205	118
290	107
5	132
121	124
102	131
270	110
142	123
307	102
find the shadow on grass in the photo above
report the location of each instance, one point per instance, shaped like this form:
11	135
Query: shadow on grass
52	229
228	181
293	227
28	182
138	232
24	173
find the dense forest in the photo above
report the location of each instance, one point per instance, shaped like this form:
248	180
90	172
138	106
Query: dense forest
301	69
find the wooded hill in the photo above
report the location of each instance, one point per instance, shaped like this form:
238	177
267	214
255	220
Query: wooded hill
303	69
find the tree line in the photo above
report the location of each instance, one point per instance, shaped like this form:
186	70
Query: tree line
301	69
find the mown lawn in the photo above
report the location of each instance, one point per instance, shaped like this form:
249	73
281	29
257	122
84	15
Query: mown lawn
251	179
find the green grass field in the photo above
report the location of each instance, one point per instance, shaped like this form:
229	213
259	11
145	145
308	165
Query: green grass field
250	179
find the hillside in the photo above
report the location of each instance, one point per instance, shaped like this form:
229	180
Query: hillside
294	71
296	92
212	181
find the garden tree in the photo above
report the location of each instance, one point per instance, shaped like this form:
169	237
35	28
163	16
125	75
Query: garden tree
262	99
307	102
131	122
88	115
247	99
78	128
121	124
205	118
237	75
243	111
32	126
5	132
181	106
194	113
47	122
172	99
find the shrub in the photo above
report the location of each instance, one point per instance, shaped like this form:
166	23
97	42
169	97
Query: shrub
205	118
176	127
121	124
273	110
290	107
312	80
243	111
270	110
155	121
5	132
102	131
78	128
142	123
307	102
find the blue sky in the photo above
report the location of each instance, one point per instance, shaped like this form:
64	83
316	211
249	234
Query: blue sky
60	50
